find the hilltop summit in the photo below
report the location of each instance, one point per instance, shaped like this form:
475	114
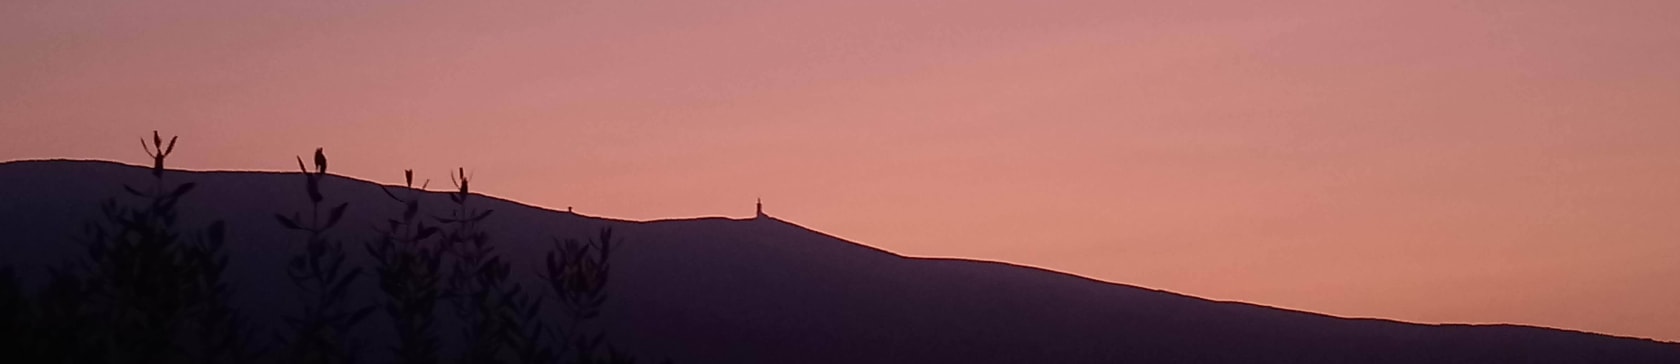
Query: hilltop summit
710	290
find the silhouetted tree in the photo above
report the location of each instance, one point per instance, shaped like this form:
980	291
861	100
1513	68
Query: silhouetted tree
577	273
224	332
408	264
59	328
150	292
499	321
321	331
144	294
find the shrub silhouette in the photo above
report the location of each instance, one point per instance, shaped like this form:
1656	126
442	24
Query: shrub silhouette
321	331
500	322
143	294
223	330
408	261
148	291
577	273
59	328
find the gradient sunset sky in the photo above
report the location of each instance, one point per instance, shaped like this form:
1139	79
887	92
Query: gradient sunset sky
1431	161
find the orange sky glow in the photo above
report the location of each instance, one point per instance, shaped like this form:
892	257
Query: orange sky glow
1433	161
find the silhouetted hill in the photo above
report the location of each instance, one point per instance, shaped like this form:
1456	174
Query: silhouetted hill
719	290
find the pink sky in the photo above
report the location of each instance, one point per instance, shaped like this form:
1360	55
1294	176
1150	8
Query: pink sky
1434	161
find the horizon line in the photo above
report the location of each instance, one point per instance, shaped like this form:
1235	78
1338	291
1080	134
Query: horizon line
895	254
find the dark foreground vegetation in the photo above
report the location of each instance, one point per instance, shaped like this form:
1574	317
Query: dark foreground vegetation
151	291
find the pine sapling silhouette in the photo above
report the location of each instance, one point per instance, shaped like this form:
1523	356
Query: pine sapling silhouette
408	262
471	263
224	333
148	291
60	328
320	333
495	315
160	298
577	273
143	294
140	277
29	334
526	333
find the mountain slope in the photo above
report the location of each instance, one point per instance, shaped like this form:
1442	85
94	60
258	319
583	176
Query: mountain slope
710	290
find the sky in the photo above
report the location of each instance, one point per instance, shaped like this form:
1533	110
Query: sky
1431	161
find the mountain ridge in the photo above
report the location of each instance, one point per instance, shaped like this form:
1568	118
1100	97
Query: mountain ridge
677	284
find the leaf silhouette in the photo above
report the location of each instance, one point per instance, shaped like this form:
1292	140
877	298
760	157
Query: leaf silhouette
336	214
183	188
287	222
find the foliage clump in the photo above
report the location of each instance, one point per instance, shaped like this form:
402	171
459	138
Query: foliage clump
146	291
149	291
407	260
321	331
